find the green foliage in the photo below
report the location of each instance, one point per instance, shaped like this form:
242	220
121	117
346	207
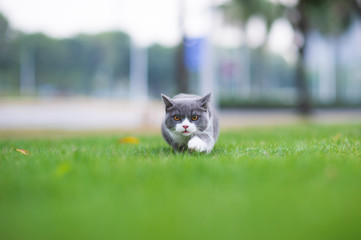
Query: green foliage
4	27
8	64
297	182
83	64
330	17
70	64
237	10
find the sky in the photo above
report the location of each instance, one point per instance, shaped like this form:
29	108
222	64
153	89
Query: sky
147	22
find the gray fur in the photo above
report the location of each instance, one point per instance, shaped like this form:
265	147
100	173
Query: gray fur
205	129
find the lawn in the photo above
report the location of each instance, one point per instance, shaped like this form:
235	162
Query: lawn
295	182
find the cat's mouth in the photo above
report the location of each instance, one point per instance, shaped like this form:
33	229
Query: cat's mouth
186	133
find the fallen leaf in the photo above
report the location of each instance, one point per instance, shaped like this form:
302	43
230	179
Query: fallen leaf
131	140
62	169
26	153
336	137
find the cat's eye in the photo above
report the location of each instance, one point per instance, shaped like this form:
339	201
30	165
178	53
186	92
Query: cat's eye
194	117
176	117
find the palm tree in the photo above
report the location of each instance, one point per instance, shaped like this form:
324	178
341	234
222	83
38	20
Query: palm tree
329	17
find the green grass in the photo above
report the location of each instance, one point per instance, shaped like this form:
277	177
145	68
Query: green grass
300	182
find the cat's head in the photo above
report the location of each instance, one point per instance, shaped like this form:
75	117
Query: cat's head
186	116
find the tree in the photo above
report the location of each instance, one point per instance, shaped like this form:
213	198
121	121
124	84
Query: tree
4	27
329	17
7	56
182	80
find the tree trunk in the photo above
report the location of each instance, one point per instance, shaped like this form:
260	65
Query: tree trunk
182	74
303	94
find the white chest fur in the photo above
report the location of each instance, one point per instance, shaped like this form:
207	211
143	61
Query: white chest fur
179	137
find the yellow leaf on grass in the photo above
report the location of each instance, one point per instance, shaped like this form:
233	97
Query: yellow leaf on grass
62	169
131	140
336	137
23	151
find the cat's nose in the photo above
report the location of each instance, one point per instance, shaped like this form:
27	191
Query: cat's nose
185	126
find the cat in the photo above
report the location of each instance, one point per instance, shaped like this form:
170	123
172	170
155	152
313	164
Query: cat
190	123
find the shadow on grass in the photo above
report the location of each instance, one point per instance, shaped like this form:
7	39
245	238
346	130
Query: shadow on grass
167	150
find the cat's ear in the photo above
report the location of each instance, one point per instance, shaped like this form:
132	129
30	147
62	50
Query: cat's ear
167	101
205	100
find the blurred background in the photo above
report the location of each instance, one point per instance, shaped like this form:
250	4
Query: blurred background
102	64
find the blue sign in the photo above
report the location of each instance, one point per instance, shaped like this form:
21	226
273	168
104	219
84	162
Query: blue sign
194	52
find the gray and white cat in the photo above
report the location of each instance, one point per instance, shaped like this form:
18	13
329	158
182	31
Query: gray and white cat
190	123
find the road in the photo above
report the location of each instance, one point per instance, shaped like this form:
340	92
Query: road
98	114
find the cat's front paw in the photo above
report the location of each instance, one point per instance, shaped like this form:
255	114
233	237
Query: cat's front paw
197	144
